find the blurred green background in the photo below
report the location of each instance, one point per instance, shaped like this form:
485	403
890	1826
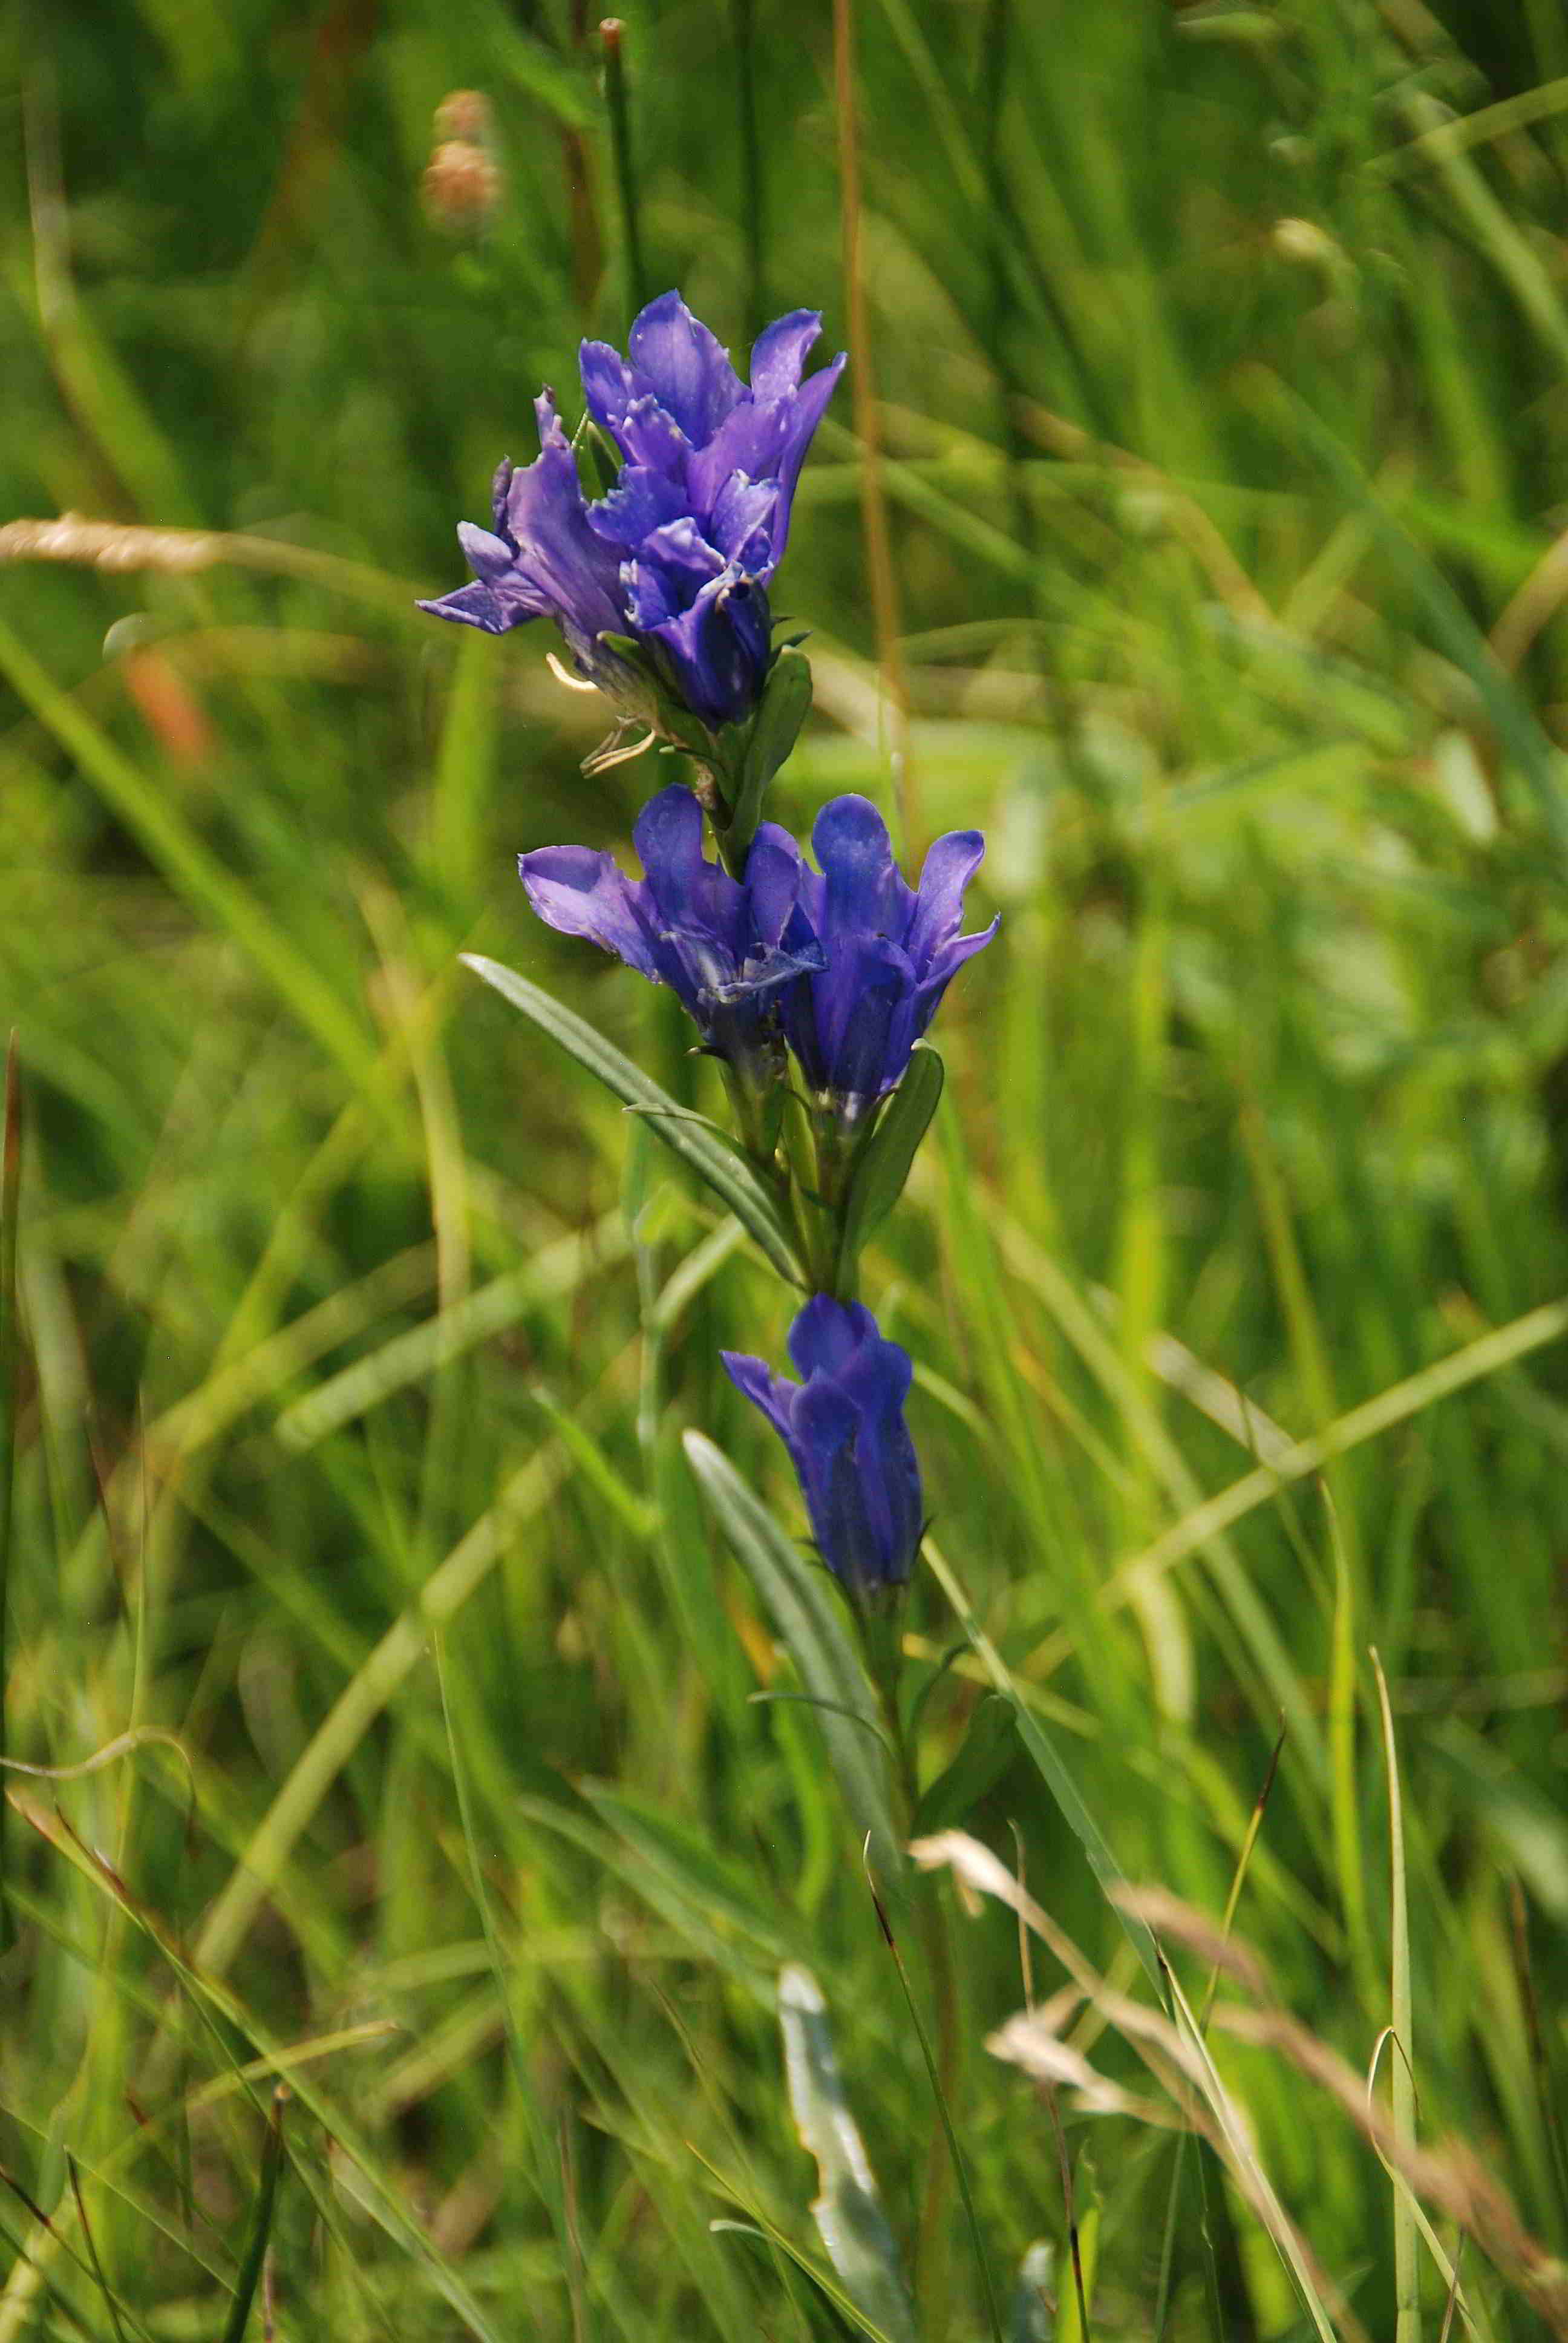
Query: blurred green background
1219	353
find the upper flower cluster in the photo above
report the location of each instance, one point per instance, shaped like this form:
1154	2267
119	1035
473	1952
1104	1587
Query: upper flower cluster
848	964
681	552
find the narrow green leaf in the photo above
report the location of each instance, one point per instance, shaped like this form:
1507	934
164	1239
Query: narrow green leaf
635	1513
260	2223
10	1200
1454	629
1052	1772
987	1750
735	1184
802	1611
155	816
879	1176
722	1891
785	706
1407	2283
849	2211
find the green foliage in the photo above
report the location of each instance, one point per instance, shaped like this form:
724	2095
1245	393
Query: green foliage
1219	353
880	1171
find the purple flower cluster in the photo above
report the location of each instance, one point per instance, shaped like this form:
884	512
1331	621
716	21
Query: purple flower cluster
680	553
847	966
838	968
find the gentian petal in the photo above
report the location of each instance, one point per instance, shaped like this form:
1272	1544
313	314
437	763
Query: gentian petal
865	1040
887	1484
679	544
640	501
827	1334
865	893
686	364
485	606
805	411
667	836
559	556
500	483
780	352
943	969
824	1424
650	436
741	521
772	880
750	440
581	893
609	385
774	1394
488	556
950	865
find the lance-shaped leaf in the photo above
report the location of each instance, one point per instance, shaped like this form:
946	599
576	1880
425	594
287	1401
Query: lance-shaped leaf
989	1747
801	1603
879	1176
774	730
847	2212
730	1178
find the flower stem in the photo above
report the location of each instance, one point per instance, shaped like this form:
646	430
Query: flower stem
751	192
944	2158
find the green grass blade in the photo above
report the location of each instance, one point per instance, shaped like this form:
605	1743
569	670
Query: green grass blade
1052	1770
735	1184
10	1200
801	1608
250	2276
1407	2288
847	2211
882	1171
193	869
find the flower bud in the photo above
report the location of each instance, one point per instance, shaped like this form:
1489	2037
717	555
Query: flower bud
461	187
844	1428
465	114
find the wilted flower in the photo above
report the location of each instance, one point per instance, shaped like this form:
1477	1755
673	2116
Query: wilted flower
681	552
726	946
890	952
844	1428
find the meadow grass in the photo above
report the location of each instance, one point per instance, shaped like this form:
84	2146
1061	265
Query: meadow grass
393	1701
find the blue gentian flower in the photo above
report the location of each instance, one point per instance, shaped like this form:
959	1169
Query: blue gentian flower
889	952
681	552
844	1427
726	946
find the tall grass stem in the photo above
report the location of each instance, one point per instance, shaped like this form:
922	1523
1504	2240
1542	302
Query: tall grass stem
612	37
881	577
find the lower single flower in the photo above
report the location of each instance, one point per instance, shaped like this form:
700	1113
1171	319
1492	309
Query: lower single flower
844	1428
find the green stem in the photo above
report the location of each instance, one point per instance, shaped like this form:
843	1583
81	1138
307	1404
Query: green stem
10	1197
611	33
743	18
836	1152
881	1629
